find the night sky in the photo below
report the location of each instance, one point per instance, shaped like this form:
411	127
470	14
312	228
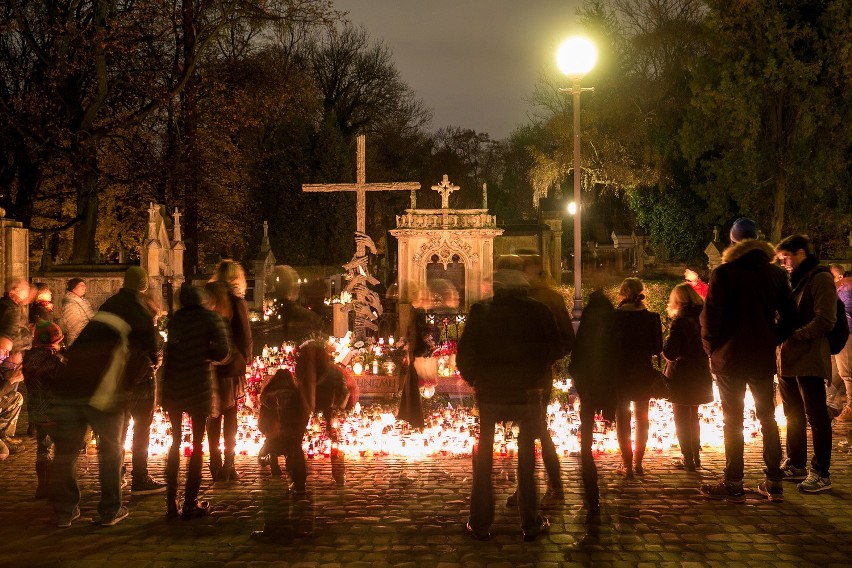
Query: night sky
473	62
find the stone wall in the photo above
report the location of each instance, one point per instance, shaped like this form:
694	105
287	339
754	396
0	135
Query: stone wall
102	281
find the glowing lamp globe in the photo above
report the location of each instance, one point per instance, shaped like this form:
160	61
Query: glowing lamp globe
576	56
572	208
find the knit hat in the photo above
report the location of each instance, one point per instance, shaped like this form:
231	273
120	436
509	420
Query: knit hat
47	333
743	229
73	283
136	279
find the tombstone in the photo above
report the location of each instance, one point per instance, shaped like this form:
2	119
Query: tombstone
160	255
14	250
714	250
451	244
262	266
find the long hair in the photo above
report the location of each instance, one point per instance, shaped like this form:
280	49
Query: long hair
683	295
231	272
218	299
631	292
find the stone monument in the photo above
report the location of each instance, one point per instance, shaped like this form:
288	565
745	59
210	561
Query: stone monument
161	255
14	250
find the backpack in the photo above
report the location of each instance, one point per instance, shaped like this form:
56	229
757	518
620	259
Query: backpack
839	334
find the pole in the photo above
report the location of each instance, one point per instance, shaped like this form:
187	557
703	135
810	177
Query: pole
578	251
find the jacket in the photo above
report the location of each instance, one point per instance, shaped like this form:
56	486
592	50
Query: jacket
593	367
641	335
844	294
688	368
748	311
76	313
41	366
507	347
13	326
241	345
806	353
198	337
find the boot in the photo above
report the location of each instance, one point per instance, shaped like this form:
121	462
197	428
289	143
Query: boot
216	465
192	507
229	472
171	485
43	488
172	511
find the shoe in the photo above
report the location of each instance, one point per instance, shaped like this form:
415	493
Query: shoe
477	535
697	461
147	487
264	460
229	473
683	465
772	490
194	510
638	469
120	515
172	511
731	492
543	528
512	500
845	415
65	523
297	489
552	498
791	472
814	483
625	470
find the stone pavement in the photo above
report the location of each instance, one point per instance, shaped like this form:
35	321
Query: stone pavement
397	513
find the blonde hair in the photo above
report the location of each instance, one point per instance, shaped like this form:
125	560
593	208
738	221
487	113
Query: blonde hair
231	272
683	295
630	292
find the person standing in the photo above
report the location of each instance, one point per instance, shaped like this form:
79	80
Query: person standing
76	310
748	312
229	288
42	306
198	337
15	338
91	391
688	372
843	283
641	335
505	352
804	364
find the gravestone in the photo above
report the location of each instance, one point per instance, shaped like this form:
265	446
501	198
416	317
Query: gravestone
160	255
14	250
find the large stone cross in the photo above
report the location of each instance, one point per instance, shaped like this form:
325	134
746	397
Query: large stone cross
360	188
445	188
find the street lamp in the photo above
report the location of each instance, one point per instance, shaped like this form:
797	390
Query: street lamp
576	57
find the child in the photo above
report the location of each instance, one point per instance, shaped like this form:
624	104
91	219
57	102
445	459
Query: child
688	371
40	366
279	403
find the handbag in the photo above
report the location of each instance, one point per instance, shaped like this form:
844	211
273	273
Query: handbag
660	388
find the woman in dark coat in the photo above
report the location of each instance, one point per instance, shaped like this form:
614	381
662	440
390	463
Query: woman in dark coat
688	372
197	337
229	287
592	371
641	338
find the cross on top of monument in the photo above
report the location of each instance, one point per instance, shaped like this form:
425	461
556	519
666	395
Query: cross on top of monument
445	188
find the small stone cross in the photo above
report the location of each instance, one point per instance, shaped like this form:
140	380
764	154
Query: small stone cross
445	188
715	234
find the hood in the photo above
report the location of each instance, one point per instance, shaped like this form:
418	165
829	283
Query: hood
739	250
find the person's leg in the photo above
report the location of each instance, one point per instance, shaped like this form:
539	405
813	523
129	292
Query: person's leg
794	411
173	463
695	420
622	432
482	489
683	429
529	422
587	460
10	409
732	394
214	432
108	427
68	434
295	464
549	455
229	416
142	411
813	393
43	459
763	391
640	410
191	506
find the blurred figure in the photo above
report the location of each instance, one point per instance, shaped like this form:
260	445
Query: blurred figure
843	360
641	335
445	295
42	305
198	337
505	354
76	310
688	372
15	338
418	339
229	288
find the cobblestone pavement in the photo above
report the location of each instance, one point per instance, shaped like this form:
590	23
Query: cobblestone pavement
397	513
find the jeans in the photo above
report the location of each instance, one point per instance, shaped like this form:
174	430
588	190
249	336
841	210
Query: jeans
10	410
225	423
69	433
193	476
141	409
548	449
528	415
732	392
587	459
805	397
629	456
688	429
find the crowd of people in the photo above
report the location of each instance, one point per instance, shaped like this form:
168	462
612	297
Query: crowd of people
765	312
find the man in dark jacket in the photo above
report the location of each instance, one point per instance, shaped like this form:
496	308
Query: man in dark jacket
92	391
804	364
747	313
505	353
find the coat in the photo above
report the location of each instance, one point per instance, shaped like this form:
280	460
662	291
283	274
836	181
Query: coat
76	313
688	368
198	337
806	353
13	326
41	366
507	347
231	373
748	311
641	337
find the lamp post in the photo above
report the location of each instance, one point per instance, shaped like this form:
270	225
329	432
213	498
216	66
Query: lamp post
576	57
